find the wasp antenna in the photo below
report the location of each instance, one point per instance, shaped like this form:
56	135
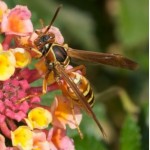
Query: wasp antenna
38	32
41	22
54	17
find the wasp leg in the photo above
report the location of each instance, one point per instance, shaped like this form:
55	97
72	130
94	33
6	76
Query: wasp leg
25	98
44	87
38	53
38	32
44	90
75	121
78	68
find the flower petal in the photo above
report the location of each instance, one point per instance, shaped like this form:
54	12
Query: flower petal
3	9
39	118
22	137
39	141
59	138
22	57
62	113
17	21
7	65
2	143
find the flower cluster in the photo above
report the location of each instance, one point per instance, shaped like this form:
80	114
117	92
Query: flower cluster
28	125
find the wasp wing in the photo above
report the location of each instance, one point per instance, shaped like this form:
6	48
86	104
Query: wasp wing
115	60
80	96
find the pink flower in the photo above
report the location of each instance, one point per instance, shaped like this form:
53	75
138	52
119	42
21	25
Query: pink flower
11	91
40	141
14	89
62	113
55	139
17	97
59	138
3	146
2	143
58	36
17	21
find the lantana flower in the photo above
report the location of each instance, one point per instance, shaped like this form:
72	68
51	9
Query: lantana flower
25	137
63	115
2	142
59	138
22	138
22	57
11	91
30	137
28	41
7	63
39	118
23	119
3	9
40	141
11	59
17	21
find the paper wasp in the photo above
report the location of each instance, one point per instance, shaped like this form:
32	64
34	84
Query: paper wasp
54	58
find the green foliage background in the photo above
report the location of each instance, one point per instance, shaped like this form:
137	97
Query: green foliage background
119	26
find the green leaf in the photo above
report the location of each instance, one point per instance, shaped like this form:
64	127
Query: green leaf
48	98
88	143
130	135
132	22
144	124
88	122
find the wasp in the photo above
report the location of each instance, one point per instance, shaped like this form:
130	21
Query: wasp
56	57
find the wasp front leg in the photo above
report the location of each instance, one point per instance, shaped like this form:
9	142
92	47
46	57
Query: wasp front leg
45	82
36	53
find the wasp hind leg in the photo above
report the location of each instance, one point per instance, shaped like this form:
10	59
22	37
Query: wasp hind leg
75	121
78	68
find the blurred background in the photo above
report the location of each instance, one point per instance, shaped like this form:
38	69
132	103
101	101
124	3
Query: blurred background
117	26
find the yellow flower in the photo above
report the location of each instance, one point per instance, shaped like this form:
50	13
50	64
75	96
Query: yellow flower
39	118
3	9
22	57
22	137
7	65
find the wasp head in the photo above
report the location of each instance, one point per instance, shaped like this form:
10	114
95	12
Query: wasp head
43	39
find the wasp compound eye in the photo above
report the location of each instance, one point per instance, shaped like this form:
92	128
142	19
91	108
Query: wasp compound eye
44	39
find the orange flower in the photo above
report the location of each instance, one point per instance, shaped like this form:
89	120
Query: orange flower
62	113
40	141
17	21
58	137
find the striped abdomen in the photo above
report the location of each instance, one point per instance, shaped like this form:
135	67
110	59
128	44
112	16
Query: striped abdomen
84	87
